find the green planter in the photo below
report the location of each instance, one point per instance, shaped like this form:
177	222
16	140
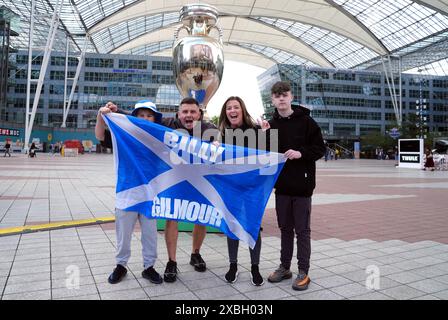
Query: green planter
184	226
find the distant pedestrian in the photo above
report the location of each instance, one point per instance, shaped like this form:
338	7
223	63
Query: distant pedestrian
429	163
32	152
7	148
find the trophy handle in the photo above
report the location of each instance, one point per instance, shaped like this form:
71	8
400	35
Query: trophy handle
221	32
176	32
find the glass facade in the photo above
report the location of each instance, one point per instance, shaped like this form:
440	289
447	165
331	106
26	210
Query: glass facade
123	79
348	103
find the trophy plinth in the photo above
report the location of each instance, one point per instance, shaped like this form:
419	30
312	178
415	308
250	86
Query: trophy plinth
198	59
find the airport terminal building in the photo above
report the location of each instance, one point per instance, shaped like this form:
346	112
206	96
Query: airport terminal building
351	103
345	103
123	79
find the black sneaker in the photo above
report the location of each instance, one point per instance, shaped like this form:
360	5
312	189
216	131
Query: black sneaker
151	274
118	274
256	278
198	263
170	274
232	275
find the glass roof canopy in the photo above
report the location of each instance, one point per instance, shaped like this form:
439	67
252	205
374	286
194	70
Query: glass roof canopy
277	55
341	51
396	23
402	26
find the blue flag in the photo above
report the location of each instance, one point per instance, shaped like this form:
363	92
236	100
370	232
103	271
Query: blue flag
165	174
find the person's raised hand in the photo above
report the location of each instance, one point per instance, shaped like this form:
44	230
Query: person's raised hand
108	108
264	124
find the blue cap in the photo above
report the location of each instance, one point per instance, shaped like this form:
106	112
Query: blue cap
147	104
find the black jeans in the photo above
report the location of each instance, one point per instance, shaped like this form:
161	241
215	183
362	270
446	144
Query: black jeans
294	215
233	244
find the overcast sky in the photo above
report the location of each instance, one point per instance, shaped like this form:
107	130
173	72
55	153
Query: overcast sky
239	79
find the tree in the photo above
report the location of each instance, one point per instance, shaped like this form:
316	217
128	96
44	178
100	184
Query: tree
215	120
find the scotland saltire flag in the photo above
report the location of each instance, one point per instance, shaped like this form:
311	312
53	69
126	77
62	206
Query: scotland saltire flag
165	174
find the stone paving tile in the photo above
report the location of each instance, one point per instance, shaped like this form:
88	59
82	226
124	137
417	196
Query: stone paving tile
350	290
61	274
430	271
402	292
155	290
388	269
216	292
102	270
63	266
428	297
205	284
428	286
357	249
267	294
319	295
442	279
182	296
351	258
34	295
126	284
356	276
385	283
405	277
323	263
62	282
393	250
389	259
407	265
332	281
30	270
331	241
335	253
371	296
443	295
82	291
316	273
288	298
2	283
317	256
88	297
5	265
133	294
29	278
372	254
343	268
430	260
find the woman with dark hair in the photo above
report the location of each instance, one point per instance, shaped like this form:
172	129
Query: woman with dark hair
234	116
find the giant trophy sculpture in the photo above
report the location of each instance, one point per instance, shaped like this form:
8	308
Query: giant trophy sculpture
198	59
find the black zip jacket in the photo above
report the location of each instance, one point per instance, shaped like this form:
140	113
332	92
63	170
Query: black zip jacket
301	133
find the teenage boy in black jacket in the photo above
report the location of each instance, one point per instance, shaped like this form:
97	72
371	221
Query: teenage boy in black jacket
300	139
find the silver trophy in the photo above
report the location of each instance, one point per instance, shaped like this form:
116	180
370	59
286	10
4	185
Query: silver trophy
198	59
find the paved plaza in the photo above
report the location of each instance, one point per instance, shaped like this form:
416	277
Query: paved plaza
369	219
